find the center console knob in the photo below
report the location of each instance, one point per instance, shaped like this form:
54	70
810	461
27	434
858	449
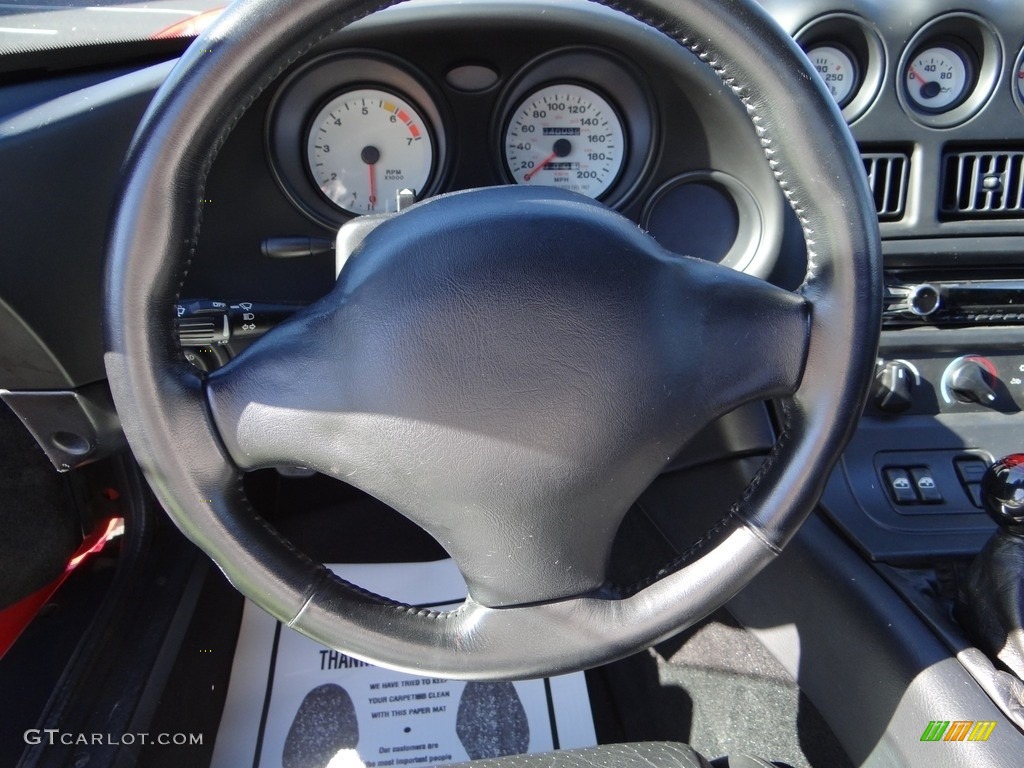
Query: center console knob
971	381
924	300
893	385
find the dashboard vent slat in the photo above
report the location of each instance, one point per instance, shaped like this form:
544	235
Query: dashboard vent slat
983	185
887	173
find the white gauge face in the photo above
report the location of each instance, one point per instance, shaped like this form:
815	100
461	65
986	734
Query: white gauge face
936	79
837	70
565	136
367	145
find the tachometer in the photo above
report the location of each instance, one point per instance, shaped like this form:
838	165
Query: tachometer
565	136
365	146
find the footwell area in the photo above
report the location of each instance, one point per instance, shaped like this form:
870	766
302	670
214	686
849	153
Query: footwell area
293	703
714	686
718	689
39	524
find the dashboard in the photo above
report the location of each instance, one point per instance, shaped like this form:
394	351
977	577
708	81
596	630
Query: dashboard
589	101
933	95
379	127
432	97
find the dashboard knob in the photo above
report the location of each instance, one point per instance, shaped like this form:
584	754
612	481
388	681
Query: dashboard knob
924	300
972	382
1002	491
893	386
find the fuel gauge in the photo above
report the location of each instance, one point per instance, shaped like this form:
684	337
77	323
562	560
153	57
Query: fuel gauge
937	79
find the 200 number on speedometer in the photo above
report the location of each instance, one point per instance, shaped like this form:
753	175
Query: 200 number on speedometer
565	136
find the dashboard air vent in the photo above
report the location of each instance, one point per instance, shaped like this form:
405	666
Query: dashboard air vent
887	176
983	184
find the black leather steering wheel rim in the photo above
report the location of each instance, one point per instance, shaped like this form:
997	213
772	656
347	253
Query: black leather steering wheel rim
165	411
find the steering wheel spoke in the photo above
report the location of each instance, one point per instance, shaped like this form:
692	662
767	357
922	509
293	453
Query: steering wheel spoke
737	339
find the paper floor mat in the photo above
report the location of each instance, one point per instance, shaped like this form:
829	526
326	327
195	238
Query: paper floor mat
292	703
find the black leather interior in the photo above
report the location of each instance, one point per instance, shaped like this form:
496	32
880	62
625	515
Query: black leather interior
191	464
991	600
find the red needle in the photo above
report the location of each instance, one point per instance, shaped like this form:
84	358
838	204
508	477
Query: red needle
373	186
917	74
543	162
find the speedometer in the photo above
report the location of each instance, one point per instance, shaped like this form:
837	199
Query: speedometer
565	136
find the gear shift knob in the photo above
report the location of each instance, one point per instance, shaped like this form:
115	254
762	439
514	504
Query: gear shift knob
1002	490
990	604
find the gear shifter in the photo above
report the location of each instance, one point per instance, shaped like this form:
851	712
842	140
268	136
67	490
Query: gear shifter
991	601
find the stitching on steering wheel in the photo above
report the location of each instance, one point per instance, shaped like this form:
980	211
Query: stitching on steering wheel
324	574
762	133
680	560
247	101
778	172
794	202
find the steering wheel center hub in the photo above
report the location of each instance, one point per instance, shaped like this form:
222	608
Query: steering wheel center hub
523	380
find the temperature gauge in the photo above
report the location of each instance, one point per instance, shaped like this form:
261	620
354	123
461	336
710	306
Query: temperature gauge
837	68
937	79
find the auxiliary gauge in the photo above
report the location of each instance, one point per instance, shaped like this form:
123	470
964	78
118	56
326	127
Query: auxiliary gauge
366	145
565	136
837	68
1018	78
937	79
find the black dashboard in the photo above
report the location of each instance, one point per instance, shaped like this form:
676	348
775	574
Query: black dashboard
933	93
660	126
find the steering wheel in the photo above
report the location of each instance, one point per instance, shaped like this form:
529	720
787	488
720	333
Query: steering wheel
507	367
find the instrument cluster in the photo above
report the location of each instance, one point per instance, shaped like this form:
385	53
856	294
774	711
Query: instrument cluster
351	132
362	130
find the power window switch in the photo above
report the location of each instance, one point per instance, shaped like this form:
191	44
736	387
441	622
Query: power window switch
927	488
974	494
970	470
900	486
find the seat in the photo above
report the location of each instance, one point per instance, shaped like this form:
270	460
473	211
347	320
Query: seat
644	754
